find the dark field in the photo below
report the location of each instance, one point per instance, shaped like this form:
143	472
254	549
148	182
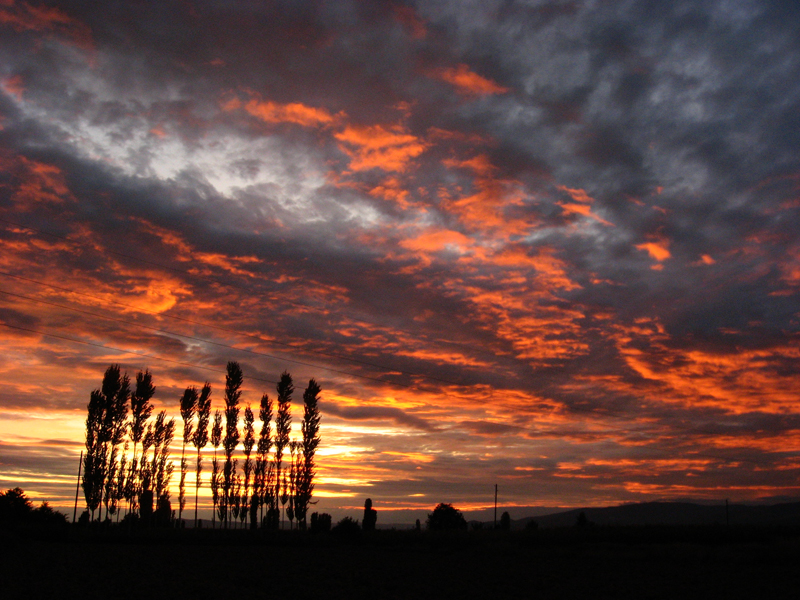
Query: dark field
601	563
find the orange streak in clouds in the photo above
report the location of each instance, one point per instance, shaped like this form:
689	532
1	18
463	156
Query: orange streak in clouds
389	149
15	86
24	17
407	16
468	82
657	250
392	189
38	182
294	112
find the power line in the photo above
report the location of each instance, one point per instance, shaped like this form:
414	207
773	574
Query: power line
215	370
143	354
204	340
233	331
284	300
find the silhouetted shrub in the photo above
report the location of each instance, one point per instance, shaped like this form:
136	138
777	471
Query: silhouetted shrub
505	521
531	525
164	514
320	523
16	508
446	518
347	527
582	521
47	516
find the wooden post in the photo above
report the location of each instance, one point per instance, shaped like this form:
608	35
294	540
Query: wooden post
727	515
77	489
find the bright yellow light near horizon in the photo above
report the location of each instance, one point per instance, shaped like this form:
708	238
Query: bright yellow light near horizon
326	494
342	450
343	481
364	430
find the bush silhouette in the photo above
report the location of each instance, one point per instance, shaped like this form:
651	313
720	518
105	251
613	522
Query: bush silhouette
347	527
505	522
446	518
16	508
320	522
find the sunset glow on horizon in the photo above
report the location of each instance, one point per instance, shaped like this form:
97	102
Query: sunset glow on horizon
549	245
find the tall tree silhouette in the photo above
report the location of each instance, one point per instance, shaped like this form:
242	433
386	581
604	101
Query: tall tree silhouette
117	390
161	432
105	431
283	426
262	451
200	437
248	443
233	384
216	440
311	440
188	406
141	409
92	478
294	461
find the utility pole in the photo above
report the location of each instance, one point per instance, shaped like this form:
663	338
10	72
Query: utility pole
495	506
77	489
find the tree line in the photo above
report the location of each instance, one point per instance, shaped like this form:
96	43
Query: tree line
127	465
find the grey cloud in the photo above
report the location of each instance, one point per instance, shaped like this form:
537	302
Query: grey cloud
376	413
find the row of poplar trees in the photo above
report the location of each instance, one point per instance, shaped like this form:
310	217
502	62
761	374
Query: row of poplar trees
127	463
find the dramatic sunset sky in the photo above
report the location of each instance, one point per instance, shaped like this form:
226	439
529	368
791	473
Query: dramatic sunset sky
552	245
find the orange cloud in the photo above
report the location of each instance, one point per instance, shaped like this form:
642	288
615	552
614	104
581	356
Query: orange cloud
391	189
407	16
468	82
584	211
15	86
658	250
378	147
435	240
38	182
294	112
578	195
21	16
581	207
480	165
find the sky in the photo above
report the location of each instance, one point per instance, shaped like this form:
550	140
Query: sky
548	245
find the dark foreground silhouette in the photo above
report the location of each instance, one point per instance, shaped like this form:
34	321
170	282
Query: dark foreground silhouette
572	562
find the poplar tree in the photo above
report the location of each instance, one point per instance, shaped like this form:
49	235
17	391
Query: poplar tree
161	468
216	440
92	477
292	491
188	406
200	437
105	431
248	443
141	409
117	389
233	384
262	452
311	440
283	426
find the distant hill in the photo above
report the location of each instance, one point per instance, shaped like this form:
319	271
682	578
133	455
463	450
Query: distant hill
673	513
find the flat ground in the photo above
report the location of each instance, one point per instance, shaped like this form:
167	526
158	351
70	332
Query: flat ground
601	563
